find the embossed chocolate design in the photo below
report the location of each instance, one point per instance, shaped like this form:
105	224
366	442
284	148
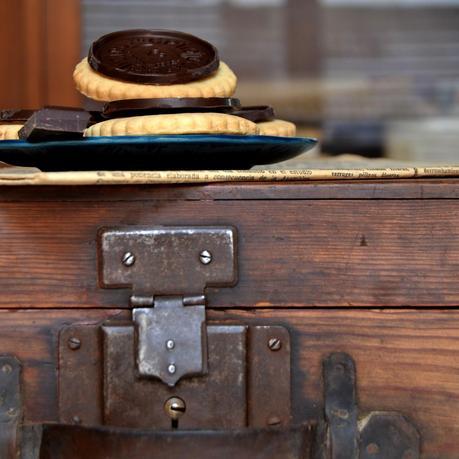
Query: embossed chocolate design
153	57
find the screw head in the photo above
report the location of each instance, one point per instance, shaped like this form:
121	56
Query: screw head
274	344
170	344
205	257
76	420
128	259
7	368
340	413
74	343
339	368
273	421
171	369
175	407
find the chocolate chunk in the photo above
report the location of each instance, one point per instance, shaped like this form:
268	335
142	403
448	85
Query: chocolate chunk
91	105
256	113
55	123
158	57
15	116
139	107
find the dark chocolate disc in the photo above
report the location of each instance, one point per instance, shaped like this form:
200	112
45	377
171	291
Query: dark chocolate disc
138	107
160	57
256	113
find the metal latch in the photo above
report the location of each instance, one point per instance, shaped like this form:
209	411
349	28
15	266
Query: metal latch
168	270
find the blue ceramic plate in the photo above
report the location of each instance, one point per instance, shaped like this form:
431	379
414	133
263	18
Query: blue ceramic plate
168	152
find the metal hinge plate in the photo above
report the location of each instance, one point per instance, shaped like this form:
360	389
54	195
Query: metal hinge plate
168	270
178	333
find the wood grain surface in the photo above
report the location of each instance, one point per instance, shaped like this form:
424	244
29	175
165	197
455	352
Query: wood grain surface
292	253
440	188
406	361
32	336
307	249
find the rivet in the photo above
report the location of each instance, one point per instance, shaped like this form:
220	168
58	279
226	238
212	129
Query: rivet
128	259
340	413
11	412
175	407
339	368
170	344
76	420
74	343
274	344
206	257
372	448
171	368
7	368
273	421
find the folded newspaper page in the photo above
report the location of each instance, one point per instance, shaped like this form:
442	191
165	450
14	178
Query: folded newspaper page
12	175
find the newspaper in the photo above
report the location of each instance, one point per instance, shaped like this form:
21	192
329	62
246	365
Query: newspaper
11	175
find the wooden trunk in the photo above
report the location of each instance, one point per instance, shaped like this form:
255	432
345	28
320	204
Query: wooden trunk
368	268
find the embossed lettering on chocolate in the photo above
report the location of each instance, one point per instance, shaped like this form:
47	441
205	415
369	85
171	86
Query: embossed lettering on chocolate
159	57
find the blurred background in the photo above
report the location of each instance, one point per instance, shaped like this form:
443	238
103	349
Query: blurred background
378	78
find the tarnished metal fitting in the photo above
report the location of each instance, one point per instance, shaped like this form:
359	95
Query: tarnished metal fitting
175	407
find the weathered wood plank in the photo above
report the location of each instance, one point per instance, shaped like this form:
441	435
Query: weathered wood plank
32	336
406	361
447	188
304	253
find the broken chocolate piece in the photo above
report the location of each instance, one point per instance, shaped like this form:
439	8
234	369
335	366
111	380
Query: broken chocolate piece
256	113
92	106
55	123
159	57
139	107
15	116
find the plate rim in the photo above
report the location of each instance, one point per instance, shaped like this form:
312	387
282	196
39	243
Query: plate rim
172	138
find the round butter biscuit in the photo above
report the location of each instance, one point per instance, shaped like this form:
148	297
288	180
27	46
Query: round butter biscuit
277	128
99	87
182	123
9	131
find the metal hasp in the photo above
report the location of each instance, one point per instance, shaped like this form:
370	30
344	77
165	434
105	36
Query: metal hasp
341	406
380	435
10	406
168	269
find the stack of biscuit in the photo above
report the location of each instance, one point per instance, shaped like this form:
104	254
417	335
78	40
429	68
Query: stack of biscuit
152	82
163	82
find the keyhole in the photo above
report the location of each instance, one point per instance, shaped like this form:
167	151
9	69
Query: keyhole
175	407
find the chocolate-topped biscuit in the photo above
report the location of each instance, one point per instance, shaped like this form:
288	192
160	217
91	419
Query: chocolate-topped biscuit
19	116
158	57
137	107
256	113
